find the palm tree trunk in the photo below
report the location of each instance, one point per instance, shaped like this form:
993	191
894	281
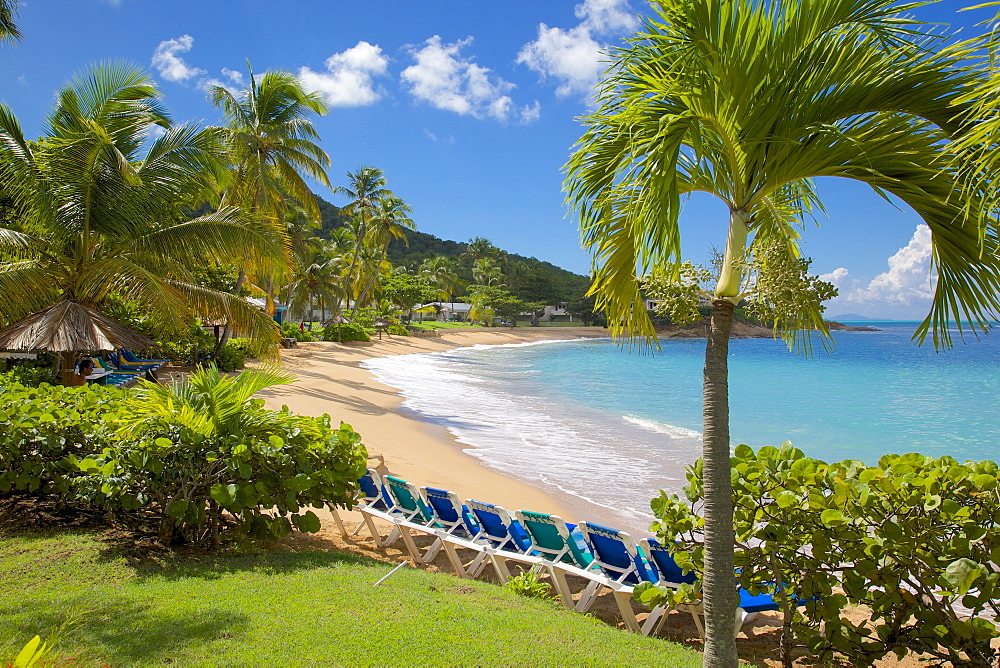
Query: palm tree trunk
719	585
224	339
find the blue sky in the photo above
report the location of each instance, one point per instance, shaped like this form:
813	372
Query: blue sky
468	107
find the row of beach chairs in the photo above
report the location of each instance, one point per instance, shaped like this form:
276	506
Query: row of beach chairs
122	369
605	558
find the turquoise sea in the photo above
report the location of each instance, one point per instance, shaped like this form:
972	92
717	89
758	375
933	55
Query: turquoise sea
609	427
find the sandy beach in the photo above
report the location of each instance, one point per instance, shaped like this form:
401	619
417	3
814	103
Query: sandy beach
331	380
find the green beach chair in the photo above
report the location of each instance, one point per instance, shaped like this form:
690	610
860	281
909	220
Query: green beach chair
414	513
563	552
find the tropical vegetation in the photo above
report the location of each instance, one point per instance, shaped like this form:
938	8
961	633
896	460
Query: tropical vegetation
750	101
194	460
98	212
907	541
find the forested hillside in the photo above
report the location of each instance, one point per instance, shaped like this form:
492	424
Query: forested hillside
528	278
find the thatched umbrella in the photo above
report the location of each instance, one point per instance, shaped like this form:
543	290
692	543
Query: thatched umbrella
381	324
69	327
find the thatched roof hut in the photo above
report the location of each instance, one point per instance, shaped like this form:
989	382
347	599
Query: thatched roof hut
70	327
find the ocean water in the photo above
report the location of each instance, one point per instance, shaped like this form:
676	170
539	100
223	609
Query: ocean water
608	427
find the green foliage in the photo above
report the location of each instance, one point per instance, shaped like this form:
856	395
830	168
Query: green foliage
679	296
231	357
406	290
32	653
909	539
397	330
351	331
41	426
784	294
530	585
195	449
30	376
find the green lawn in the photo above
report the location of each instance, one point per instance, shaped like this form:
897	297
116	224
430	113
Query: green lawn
104	605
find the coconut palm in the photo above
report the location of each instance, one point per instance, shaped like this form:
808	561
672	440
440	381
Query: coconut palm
748	100
271	143
390	220
317	281
486	271
442	273
364	189
98	219
8	29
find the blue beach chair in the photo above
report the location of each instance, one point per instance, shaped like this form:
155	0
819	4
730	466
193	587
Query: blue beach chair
502	537
129	357
670	573
376	502
457	529
624	565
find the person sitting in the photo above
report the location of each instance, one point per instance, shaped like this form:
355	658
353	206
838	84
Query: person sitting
84	369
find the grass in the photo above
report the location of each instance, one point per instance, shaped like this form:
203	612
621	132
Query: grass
103	604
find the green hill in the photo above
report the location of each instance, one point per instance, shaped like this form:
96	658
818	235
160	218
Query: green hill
542	282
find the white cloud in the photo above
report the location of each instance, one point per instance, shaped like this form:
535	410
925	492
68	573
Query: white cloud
22	80
348	79
169	64
233	75
908	282
574	56
446	80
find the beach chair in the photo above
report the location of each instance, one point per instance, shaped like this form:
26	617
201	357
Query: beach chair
670	573
625	565
115	360
503	538
129	357
411	511
113	376
375	502
457	529
563	552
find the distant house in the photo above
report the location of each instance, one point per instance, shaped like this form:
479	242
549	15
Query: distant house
450	311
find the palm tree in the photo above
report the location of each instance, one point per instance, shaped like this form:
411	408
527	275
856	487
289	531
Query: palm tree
749	100
486	271
364	188
390	220
99	220
442	273
317	281
271	143
8	29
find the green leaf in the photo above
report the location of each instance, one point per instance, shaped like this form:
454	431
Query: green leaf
832	517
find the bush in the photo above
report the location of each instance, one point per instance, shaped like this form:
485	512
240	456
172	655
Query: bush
195	450
41	426
397	330
231	357
910	539
530	585
347	332
29	376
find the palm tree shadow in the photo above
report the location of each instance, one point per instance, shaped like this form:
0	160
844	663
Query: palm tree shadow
127	631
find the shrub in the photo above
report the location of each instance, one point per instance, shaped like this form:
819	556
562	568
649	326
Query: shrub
194	450
347	332
397	330
231	357
29	376
41	426
528	584
911	539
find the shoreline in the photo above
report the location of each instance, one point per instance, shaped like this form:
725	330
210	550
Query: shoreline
331	380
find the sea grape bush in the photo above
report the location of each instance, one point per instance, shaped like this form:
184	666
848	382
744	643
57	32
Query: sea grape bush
182	454
41	425
196	449
911	539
